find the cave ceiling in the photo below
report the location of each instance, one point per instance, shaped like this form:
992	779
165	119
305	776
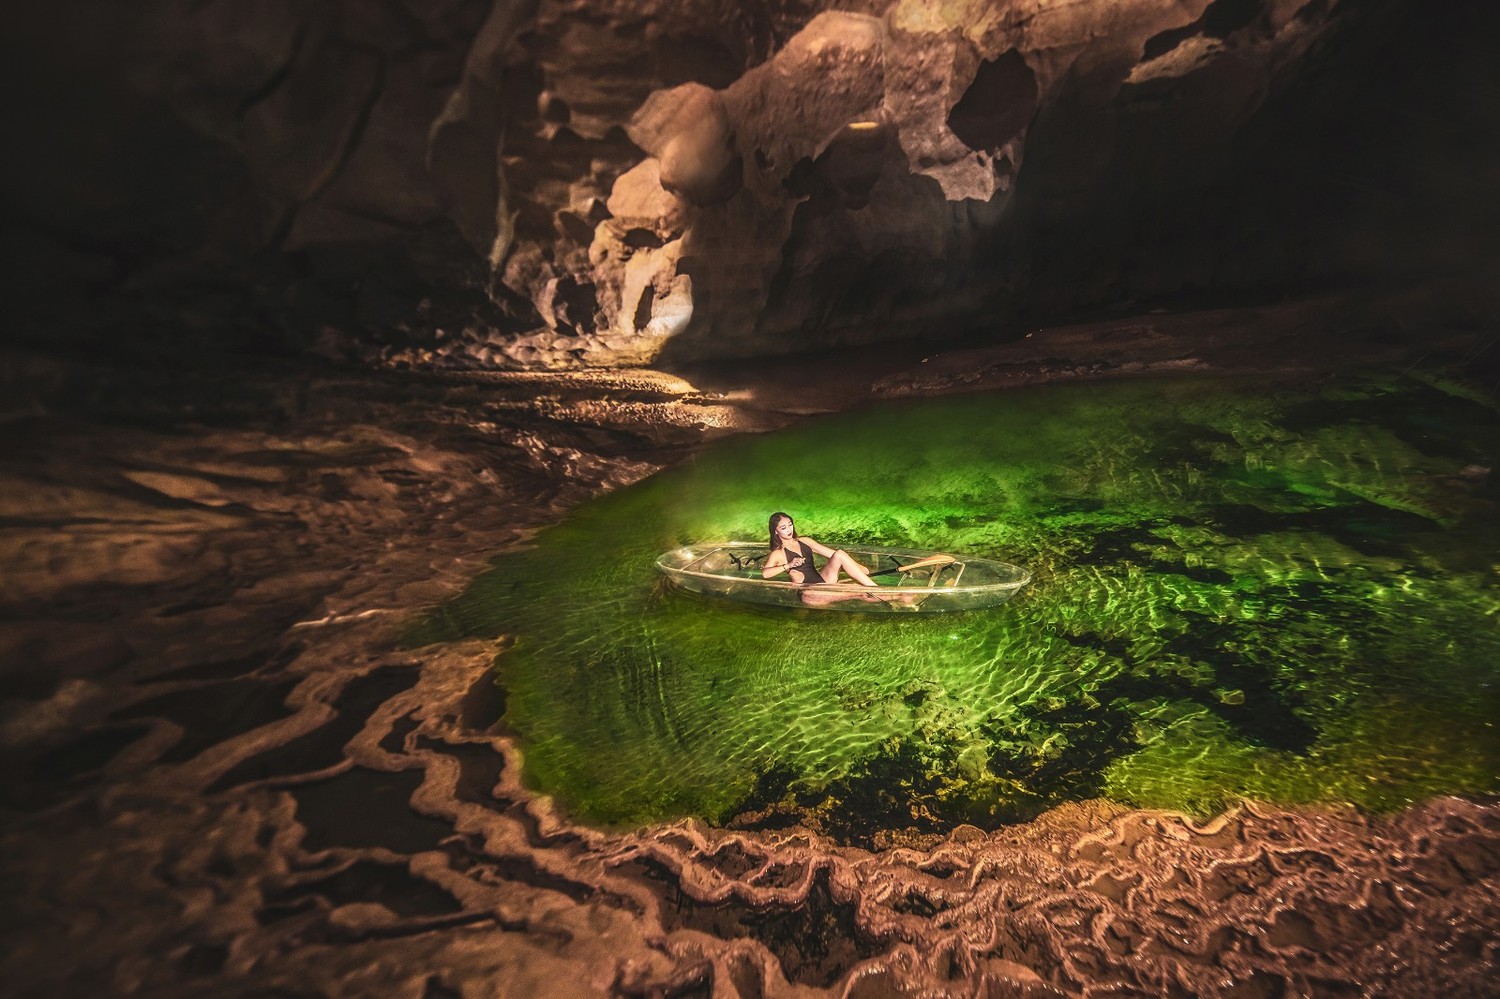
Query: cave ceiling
554	184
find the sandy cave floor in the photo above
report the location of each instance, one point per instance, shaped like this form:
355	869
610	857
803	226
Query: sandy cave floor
226	777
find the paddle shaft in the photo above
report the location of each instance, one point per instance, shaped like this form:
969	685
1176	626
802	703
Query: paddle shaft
921	563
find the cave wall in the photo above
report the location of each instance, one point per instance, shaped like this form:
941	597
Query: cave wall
623	182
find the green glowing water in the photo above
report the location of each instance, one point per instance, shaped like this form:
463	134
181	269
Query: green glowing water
1241	590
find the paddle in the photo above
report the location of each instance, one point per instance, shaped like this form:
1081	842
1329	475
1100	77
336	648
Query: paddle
921	563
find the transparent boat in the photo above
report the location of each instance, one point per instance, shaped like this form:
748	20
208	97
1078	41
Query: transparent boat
732	569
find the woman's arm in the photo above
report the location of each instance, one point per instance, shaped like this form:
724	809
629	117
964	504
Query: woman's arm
775	564
822	550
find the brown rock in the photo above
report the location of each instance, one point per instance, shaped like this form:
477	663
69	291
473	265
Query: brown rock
639	197
689	129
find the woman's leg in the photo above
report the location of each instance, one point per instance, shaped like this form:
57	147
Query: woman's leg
841	562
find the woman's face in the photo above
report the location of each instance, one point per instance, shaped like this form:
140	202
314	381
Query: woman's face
784	527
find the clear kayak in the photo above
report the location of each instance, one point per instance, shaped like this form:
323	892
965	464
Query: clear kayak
732	569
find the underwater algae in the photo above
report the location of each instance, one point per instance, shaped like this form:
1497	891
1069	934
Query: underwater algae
1241	589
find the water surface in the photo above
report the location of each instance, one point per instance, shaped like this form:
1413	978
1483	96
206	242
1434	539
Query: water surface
1241	589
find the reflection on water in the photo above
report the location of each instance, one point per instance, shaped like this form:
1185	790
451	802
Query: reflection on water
1240	589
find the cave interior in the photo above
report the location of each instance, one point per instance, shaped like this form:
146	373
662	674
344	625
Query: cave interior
338	330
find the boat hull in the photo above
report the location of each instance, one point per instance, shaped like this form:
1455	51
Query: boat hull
732	570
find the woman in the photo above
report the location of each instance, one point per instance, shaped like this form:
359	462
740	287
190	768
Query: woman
794	556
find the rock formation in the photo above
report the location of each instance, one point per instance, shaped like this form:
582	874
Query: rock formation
559	183
831	193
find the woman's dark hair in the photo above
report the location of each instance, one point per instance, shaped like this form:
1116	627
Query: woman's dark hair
778	515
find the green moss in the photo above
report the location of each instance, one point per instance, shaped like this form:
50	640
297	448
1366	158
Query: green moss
1240	589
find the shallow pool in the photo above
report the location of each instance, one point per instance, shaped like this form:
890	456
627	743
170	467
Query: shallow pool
1241	589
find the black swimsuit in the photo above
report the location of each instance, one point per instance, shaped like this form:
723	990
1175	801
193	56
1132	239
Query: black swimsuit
802	564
